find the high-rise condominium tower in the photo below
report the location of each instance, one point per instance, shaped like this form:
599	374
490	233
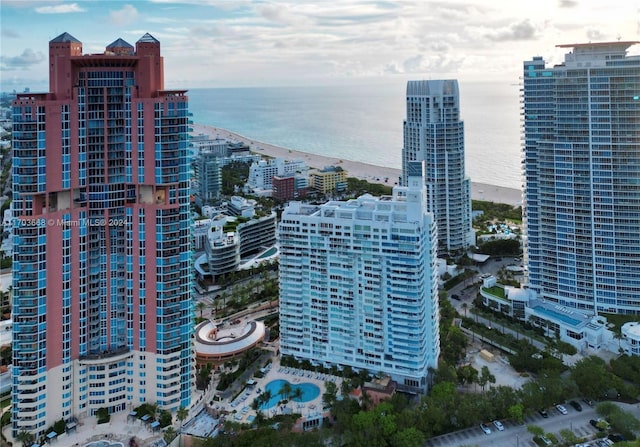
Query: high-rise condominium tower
358	284
582	173
101	272
434	133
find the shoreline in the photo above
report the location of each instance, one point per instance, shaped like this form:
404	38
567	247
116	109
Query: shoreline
363	171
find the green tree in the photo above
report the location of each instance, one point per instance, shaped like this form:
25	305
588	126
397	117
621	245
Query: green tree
535	430
285	390
330	394
516	412
592	377
181	415
169	435
569	436
485	377
297	394
201	307
467	375
409	437
165	418
25	438
531	396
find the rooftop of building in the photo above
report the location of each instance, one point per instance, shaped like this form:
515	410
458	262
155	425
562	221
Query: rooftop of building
621	44
568	316
119	43
64	38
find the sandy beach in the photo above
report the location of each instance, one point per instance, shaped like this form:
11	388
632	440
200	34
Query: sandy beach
363	171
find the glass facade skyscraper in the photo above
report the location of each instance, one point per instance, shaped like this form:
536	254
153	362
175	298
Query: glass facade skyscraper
101	266
582	177
434	133
358	284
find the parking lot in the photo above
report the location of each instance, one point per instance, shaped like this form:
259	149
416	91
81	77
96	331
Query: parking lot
515	435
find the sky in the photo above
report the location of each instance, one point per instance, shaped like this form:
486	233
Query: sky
242	43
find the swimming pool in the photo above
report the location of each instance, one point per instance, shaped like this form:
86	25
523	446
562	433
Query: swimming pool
309	392
104	444
270	252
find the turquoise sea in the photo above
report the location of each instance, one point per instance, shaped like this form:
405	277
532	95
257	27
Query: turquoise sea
364	122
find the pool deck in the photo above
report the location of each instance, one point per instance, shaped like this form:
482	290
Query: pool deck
117	430
121	428
242	403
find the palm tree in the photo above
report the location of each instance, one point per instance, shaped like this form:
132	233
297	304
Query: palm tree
152	408
25	438
169	434
266	396
297	394
285	390
201	307
181	415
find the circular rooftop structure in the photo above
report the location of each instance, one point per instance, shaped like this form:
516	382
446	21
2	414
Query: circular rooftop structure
217	345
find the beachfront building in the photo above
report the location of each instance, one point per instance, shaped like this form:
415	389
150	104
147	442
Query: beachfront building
210	156
359	286
102	311
327	180
434	133
261	174
289	186
582	178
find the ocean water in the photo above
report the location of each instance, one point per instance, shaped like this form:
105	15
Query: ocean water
364	122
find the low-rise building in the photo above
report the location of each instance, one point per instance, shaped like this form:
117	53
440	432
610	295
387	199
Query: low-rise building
289	187
261	173
629	338
329	179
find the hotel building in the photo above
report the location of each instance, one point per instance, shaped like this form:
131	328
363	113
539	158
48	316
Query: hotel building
581	156
358	284
101	268
434	133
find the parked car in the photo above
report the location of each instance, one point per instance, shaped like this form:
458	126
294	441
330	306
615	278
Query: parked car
498	425
455	297
485	428
543	413
588	402
616	437
576	405
561	409
545	440
498	259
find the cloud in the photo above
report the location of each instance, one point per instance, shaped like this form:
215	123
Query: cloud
60	9
124	16
24	61
10	34
413	64
568	3
281	14
518	31
594	34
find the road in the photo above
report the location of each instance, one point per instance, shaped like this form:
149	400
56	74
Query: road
515	435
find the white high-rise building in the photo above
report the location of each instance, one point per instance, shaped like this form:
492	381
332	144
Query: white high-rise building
434	133
582	177
358	283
